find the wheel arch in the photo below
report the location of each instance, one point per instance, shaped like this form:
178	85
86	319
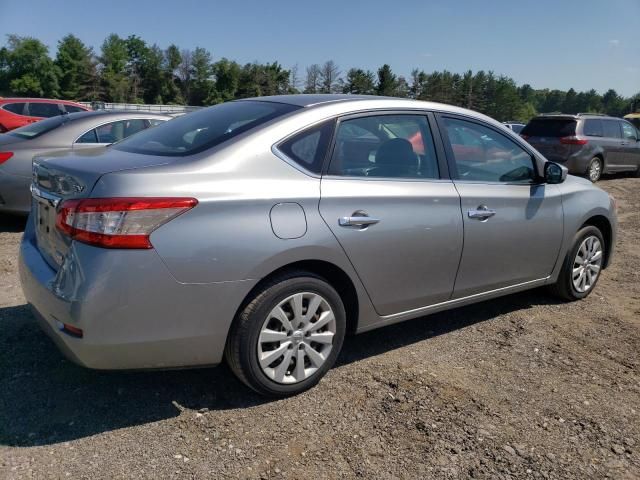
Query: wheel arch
603	224
332	273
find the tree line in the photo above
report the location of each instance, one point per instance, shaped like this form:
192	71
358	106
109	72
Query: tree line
128	70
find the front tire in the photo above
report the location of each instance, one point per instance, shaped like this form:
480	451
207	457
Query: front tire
594	171
288	335
582	265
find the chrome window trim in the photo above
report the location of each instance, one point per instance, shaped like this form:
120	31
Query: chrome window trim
106	123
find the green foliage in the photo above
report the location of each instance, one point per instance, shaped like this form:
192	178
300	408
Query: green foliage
129	70
76	68
387	81
360	82
26	69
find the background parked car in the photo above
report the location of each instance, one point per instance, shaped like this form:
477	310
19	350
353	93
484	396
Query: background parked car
634	118
587	144
17	112
74	131
515	126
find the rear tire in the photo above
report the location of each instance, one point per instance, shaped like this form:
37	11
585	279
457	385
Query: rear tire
582	265
594	171
288	335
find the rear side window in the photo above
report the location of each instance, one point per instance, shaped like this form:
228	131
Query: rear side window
205	128
73	109
17	108
309	148
45	110
114	131
593	128
611	128
386	146
550	127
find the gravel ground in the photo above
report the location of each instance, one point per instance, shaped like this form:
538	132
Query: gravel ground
520	387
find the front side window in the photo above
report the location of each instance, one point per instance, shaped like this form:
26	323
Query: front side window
390	146
593	128
17	108
309	148
204	128
43	109
628	131
611	129
481	154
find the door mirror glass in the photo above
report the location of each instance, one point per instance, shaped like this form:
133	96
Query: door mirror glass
554	173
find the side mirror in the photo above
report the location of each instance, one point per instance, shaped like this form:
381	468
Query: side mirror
554	173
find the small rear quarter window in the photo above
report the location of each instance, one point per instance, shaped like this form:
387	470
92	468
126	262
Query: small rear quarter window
309	147
17	108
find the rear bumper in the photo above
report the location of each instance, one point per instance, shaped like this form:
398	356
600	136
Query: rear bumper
14	193
133	313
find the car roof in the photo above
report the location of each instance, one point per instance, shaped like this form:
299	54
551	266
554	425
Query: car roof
38	100
312	99
347	103
115	113
572	116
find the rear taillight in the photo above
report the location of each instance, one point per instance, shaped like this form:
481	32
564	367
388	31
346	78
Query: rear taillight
573	140
4	156
118	222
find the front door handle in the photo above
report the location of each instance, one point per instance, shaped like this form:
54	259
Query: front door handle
357	221
481	213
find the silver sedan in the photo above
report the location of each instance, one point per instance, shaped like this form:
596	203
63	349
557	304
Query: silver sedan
264	230
73	131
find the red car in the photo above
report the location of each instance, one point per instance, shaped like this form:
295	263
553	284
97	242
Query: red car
18	112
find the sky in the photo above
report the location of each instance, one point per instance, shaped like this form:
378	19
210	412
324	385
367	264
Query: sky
559	44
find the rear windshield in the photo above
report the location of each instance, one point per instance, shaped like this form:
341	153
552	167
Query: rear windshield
550	127
36	129
203	129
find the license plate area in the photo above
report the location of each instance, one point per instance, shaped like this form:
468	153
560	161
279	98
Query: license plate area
48	239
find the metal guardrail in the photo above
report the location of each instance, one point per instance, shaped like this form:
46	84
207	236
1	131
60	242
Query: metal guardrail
141	107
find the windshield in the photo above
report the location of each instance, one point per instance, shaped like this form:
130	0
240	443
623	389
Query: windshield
198	131
36	129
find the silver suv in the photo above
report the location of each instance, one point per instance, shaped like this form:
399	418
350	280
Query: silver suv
587	144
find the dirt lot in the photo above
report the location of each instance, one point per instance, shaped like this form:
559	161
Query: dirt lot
520	387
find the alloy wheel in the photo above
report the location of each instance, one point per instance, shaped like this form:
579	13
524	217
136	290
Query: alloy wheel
595	170
587	264
296	338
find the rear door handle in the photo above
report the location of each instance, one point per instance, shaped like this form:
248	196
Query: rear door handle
357	221
481	213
